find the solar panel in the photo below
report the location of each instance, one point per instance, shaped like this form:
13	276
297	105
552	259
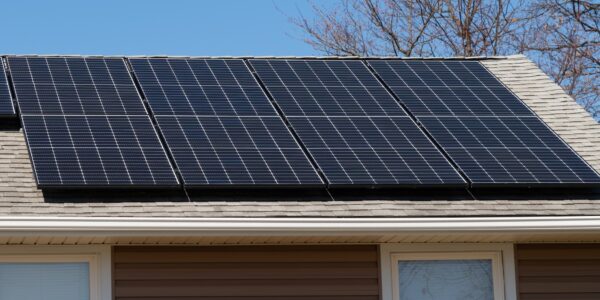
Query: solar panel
220	127
448	88
86	126
354	129
74	86
6	106
491	135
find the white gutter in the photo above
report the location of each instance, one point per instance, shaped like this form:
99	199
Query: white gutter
292	226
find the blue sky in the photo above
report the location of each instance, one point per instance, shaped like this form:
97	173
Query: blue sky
173	27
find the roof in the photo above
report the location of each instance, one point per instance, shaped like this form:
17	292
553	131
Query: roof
20	197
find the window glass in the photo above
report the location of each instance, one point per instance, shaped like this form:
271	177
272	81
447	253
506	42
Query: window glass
445	280
45	281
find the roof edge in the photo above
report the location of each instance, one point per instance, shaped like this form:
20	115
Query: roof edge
285	226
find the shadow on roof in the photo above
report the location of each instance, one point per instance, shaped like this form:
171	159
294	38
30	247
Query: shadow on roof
318	194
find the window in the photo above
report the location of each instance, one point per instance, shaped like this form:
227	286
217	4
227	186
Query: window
447	276
49	277
461	270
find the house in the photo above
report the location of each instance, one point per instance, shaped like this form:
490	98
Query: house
72	226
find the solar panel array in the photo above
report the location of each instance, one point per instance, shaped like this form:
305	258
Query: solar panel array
6	106
353	128
220	126
85	124
487	131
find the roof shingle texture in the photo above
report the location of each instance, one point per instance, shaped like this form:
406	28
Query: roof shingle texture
20	197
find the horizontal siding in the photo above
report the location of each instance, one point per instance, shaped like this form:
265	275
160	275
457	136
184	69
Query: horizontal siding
558	271
246	272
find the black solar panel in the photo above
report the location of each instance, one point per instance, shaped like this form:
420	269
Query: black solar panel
354	129
461	88
325	88
74	86
96	151
508	150
219	125
487	131
85	124
201	87
6	106
236	150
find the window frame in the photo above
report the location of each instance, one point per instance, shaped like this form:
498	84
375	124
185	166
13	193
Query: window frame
97	258
494	257
501	255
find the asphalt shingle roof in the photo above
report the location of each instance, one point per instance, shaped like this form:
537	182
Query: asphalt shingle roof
20	197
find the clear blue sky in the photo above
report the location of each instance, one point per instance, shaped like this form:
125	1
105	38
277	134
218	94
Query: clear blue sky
174	27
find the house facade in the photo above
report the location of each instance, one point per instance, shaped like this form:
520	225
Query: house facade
502	242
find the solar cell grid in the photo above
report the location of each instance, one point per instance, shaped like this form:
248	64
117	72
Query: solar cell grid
220	126
6	106
508	150
86	125
96	151
325	88
458	88
74	86
487	131
353	128
236	150
373	150
201	87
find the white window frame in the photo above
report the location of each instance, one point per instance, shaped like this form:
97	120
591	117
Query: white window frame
97	257
501	255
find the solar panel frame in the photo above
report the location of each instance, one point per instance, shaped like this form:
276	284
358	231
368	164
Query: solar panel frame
478	80
376	151
416	87
381	103
159	95
7	107
273	81
72	94
513	146
145	162
115	151
256	106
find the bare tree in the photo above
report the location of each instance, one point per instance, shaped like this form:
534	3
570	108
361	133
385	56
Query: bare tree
370	27
415	27
565	41
562	36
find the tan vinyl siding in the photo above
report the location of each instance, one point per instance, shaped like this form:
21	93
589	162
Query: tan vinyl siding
558	271
246	272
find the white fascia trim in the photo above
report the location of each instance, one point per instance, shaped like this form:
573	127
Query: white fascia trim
295	226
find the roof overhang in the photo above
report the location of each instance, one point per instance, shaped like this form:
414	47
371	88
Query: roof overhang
293	230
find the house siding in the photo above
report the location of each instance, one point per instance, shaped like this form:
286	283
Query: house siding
331	272
558	271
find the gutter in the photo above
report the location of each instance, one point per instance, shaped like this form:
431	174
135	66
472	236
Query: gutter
106	226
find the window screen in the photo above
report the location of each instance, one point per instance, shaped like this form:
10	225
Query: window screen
445	280
47	281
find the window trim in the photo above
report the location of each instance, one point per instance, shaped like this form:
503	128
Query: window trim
97	257
502	255
494	257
